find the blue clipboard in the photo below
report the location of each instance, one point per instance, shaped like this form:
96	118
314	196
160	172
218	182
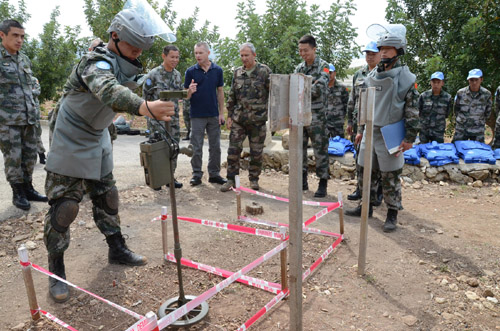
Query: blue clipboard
393	135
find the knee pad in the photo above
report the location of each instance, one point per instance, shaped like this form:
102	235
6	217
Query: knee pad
63	213
108	201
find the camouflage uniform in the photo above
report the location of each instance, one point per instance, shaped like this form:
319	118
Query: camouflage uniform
496	143
471	111
247	108
186	105
18	117
358	82
163	80
317	130
433	109
337	99
36	93
86	112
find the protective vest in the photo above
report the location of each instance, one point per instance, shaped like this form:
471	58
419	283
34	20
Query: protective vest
475	152
497	153
81	148
439	154
339	146
412	156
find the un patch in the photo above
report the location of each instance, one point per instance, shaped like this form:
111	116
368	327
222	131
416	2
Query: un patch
103	65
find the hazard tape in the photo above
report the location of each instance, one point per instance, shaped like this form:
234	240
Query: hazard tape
112	304
322	258
264	310
321	213
145	324
181	311
57	320
251	281
278	224
270	196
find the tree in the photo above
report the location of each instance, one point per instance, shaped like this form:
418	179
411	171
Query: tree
7	11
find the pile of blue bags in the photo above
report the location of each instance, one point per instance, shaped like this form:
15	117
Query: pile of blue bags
339	146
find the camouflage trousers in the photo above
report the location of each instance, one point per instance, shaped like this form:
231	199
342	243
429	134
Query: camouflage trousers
173	129
335	130
462	135
256	136
319	140
19	149
391	186
39	144
427	137
59	186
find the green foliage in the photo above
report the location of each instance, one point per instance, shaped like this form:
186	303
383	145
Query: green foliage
7	11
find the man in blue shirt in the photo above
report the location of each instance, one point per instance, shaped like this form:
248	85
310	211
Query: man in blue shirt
204	83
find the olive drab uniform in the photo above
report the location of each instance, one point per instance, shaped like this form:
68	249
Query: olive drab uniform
247	108
496	143
317	130
337	99
18	117
433	111
396	100
36	93
358	82
97	88
163	80
472	109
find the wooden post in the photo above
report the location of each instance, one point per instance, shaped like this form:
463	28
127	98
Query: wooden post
238	196
283	253
341	213
28	283
164	233
367	100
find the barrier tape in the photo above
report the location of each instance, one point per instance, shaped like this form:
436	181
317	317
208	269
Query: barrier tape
181	311
57	320
264	310
145	324
278	224
112	304
270	196
321	213
322	258
251	281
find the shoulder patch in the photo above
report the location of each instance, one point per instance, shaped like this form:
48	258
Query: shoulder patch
103	65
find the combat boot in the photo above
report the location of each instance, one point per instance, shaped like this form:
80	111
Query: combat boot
356	195
32	194
226	187
120	254
42	157
58	290
305	185
254	184
321	192
356	212
19	197
391	220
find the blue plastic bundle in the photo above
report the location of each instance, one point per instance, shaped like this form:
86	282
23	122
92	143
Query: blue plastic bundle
339	146
439	154
412	156
497	153
475	152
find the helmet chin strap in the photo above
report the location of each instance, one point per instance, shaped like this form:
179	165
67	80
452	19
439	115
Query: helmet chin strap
385	63
135	62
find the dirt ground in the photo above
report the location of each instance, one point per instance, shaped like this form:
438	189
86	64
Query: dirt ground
439	271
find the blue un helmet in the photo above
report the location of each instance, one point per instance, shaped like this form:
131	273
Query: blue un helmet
331	68
371	47
437	75
475	73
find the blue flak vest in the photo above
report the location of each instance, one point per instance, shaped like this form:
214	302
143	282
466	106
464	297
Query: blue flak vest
412	156
475	152
339	146
439	154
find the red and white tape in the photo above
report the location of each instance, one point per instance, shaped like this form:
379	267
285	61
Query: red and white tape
181	311
148	323
112	304
57	320
321	213
322	258
251	281
270	196
264	310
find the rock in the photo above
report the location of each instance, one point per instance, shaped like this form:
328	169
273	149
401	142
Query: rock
39	236
488	293
8	228
431	172
462	279
410	320
479	175
489	305
20	238
424	182
2	253
421	262
493	300
477	183
440	300
407	179
285	139
327	292
385	314
417	185
444	281
448	316
439	231
471	295
455	175
473	282
454	287
432	252
30	245
81	223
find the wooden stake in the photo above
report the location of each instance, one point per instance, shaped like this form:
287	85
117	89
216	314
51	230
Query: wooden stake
238	196
283	253
164	233
341	213
28	283
367	100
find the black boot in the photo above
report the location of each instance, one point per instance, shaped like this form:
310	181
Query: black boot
176	184
42	158
305	186
32	194
391	220
119	252
321	192
357	211
19	197
187	135
58	290
380	196
356	195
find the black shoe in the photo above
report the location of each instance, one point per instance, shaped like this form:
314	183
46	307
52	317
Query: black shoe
321	192
391	220
120	254
195	181
32	194
305	185
42	158
19	197
356	195
217	180
356	212
176	184
58	290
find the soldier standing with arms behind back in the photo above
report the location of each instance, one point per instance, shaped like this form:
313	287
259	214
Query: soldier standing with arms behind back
247	115
336	105
318	69
18	116
81	156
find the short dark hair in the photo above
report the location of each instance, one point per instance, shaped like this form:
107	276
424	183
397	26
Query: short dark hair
169	48
308	39
7	24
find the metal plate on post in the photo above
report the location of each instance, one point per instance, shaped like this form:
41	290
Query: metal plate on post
278	102
300	100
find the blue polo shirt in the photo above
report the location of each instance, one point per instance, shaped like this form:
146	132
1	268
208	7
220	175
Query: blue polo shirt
204	100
